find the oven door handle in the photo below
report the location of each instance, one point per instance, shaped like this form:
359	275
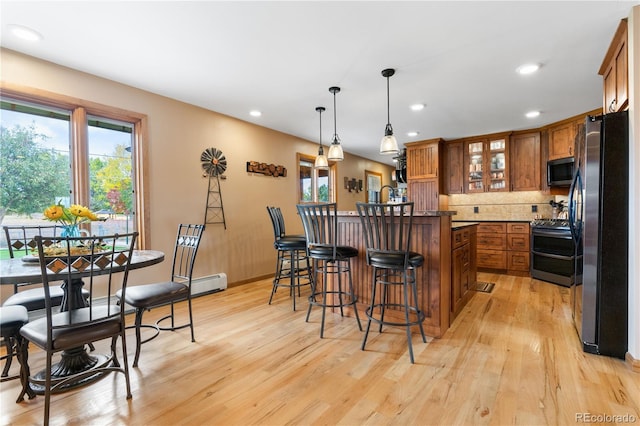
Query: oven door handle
553	256
555	234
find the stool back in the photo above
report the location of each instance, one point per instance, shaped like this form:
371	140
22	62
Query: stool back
386	230
278	225
320	223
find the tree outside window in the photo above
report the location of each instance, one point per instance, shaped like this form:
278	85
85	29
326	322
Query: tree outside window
37	170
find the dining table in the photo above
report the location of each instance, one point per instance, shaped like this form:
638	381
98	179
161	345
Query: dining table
26	270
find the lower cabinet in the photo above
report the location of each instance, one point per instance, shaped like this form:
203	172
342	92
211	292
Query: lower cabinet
463	267
518	248
492	245
504	246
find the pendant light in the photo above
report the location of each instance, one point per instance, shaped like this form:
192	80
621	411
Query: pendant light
321	160
335	150
389	144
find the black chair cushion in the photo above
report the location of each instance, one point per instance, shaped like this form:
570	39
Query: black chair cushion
395	260
291	243
36	331
148	295
11	319
326	252
33	298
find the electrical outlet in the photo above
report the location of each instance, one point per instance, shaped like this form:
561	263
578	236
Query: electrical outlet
476	209
534	209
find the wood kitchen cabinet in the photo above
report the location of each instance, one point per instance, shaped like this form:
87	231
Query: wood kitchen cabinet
454	163
486	162
423	159
561	140
614	71
518	248
525	162
504	246
492	245
424	181
463	267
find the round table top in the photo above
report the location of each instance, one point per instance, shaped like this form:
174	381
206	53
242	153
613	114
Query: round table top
16	271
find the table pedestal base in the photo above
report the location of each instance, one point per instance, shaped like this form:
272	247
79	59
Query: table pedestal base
73	361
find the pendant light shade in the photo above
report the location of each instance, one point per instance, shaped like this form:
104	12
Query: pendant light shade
335	150
321	160
389	144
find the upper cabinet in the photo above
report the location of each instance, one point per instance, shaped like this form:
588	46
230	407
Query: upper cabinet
525	162
561	138
424	179
614	71
454	162
423	159
486	163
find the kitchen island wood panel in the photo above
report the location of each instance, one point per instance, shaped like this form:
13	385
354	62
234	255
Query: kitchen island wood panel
431	237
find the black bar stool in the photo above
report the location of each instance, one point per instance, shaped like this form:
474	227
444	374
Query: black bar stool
292	264
387	234
321	231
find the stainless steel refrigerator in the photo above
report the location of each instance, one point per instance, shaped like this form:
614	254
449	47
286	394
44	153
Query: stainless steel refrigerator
599	216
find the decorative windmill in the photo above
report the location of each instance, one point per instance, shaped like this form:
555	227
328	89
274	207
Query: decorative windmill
214	164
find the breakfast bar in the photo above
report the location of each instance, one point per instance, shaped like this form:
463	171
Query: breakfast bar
431	237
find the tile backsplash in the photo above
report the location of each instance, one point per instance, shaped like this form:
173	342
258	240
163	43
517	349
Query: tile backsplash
503	205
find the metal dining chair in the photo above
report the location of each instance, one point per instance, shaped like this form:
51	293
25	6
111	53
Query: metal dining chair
21	242
177	289
103	268
12	318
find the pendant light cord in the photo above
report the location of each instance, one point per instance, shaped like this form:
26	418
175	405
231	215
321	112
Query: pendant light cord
335	126
320	128
388	115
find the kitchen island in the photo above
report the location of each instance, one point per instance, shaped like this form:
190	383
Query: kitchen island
431	237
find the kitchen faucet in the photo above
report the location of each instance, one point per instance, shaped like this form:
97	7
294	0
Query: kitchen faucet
391	192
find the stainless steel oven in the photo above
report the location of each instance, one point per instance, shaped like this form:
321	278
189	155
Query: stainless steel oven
553	254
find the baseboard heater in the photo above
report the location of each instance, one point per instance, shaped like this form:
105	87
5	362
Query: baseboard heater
208	284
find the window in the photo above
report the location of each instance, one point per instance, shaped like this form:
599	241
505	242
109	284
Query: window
315	185
54	151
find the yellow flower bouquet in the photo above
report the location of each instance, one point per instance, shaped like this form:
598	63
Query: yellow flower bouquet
69	218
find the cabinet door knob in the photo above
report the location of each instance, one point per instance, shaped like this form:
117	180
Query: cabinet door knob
611	105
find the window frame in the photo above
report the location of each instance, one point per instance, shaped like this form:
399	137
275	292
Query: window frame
79	111
314	185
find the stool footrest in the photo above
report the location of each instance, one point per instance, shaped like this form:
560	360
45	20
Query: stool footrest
352	299
419	320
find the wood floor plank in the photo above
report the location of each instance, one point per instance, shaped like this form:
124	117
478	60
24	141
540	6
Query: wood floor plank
511	357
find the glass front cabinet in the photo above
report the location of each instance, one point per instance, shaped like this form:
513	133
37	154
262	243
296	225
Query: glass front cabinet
486	164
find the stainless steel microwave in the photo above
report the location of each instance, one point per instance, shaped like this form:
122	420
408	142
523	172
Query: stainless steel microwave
560	171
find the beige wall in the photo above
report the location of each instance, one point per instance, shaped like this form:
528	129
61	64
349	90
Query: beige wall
178	133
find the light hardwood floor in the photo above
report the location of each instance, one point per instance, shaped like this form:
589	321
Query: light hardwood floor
511	357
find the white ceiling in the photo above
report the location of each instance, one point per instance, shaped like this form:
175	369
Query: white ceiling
458	58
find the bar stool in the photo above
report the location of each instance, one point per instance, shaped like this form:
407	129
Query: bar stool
12	318
387	233
292	263
321	231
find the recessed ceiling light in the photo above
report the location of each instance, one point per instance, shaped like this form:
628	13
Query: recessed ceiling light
417	107
255	113
532	114
25	33
528	69
412	134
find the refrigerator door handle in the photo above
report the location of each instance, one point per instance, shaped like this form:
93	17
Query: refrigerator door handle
575	222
